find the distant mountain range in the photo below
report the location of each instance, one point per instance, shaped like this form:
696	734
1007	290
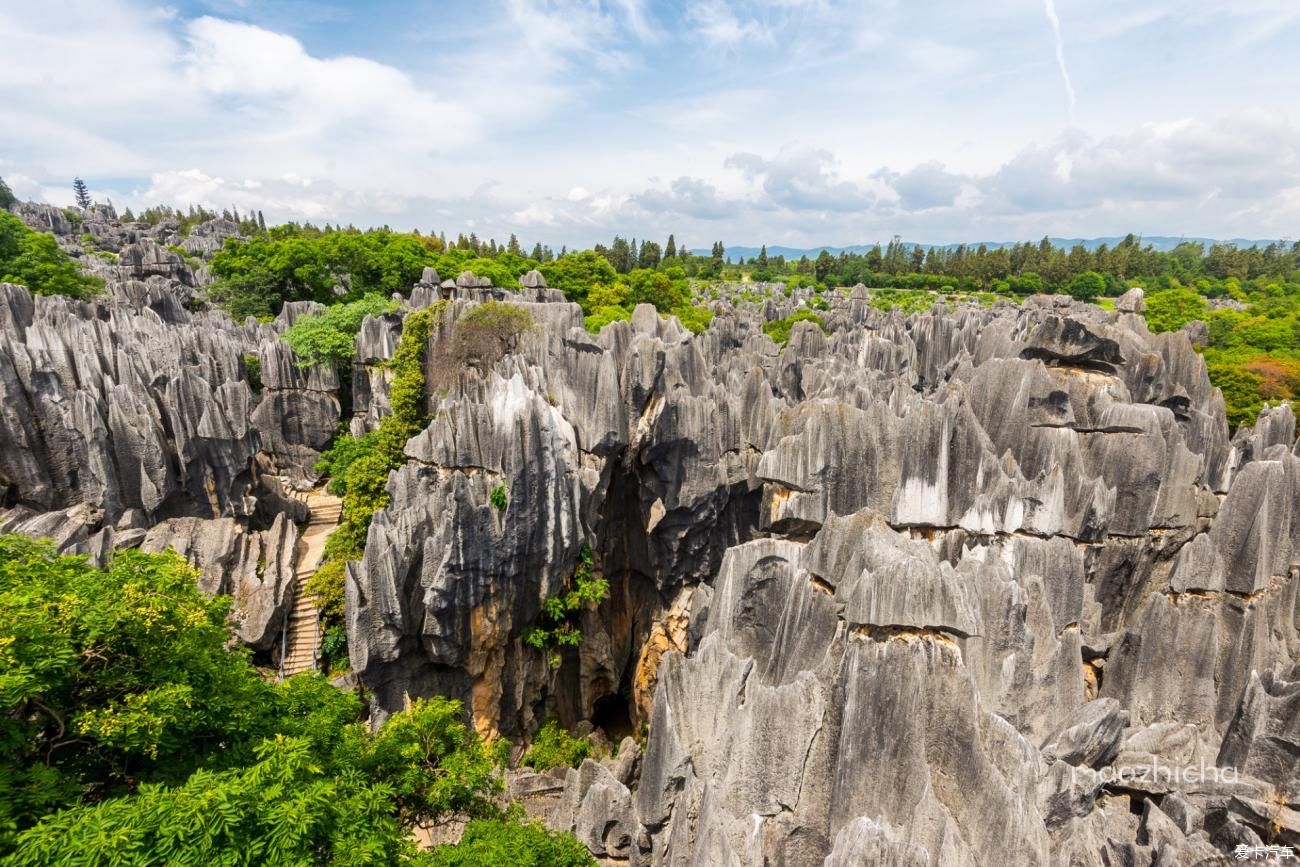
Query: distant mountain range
1163	243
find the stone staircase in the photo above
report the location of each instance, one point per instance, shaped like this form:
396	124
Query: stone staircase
302	635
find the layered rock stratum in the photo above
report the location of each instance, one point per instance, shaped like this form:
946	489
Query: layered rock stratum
971	586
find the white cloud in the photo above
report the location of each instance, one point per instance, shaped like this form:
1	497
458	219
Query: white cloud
688	196
803	179
719	24
736	119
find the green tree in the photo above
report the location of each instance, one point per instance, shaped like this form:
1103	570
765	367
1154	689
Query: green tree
133	731
1172	308
1086	286
656	288
35	260
650	256
779	329
329	337
81	192
577	273
7	198
110	678
822	267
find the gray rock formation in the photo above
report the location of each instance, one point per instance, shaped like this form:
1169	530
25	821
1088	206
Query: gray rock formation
969	586
910	591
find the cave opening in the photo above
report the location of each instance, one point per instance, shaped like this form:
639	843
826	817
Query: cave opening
612	713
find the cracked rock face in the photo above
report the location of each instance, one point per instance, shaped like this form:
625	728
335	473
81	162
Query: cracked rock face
963	587
130	420
917	590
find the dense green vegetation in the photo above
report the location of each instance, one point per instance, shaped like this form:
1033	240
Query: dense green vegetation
329	337
358	467
779	329
1253	353
134	731
553	747
498	842
557	624
35	260
7	198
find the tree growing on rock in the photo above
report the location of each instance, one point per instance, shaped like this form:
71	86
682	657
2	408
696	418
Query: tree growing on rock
82	193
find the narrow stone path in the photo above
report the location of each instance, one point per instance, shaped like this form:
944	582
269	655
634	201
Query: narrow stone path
303	637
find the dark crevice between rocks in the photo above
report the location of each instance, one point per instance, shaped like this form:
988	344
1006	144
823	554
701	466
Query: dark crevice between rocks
646	570
612	713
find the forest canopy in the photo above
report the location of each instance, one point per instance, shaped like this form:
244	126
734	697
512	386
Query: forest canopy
134	731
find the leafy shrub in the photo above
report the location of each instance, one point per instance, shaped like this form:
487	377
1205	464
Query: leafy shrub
907	301
498	498
497	842
487	332
553	747
334	644
779	329
326	588
34	260
603	316
695	318
557	624
819	302
329	337
253	370
1170	309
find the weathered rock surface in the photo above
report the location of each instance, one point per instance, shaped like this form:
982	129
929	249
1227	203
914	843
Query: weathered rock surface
909	591
963	587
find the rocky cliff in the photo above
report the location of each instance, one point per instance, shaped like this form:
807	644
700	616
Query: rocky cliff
971	586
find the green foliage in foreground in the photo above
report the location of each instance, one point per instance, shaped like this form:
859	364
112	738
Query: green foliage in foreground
553	747
557	624
358	467
498	842
35	260
499	498
133	731
329	337
779	329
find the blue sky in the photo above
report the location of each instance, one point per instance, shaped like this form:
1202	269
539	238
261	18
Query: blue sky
795	122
